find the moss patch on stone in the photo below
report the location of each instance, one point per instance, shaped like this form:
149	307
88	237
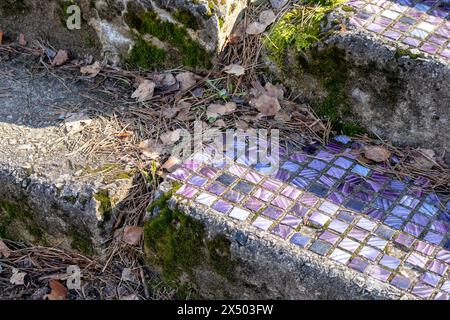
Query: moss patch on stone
82	243
186	18
146	55
17	223
178	244
105	208
187	51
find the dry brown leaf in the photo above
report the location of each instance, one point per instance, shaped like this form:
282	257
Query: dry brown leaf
220	123
234	69
132	235
283	117
61	57
92	70
76	122
171	164
266	105
170	137
424	158
164	80
169	112
241	124
145	91
217	110
1	37
377	153
17	278
22	40
59	291
274	91
266	18
150	148
4	250
186	80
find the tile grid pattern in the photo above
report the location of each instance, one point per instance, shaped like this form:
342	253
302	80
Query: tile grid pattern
420	24
323	200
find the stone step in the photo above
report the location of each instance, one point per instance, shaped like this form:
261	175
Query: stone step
321	225
49	194
381	65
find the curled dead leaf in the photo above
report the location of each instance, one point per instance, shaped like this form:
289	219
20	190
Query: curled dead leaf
234	69
22	40
132	235
145	91
424	158
377	153
217	110
61	57
17	278
4	250
274	91
266	18
186	80
170	137
92	70
266	105
59	291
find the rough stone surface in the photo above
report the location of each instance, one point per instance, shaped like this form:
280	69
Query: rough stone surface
40	174
393	90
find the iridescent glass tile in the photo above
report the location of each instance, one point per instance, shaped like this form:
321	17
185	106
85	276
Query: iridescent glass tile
349	244
390	262
379	273
320	247
329	237
300	240
253	204
291	192
222	206
281	202
358	265
272	212
282	231
239	214
262	223
262	194
340	256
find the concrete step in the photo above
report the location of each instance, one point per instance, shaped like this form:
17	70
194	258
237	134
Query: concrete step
50	194
379	65
323	225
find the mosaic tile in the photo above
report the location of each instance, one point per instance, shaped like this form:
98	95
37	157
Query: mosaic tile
239	214
262	223
370	221
300	240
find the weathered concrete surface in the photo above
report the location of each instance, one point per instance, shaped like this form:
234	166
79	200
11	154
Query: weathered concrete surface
269	268
357	76
48	193
109	29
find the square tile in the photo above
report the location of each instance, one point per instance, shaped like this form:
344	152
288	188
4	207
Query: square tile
366	224
262	194
291	192
377	242
282	230
300	240
349	244
222	206
369	253
291	221
206	199
340	256
272	212
417	259
320	247
338	226
389	262
329	237
361	170
262	223
253	204
239	214
281	202
358	265
226	179
358	234
319	219
328	207
379	273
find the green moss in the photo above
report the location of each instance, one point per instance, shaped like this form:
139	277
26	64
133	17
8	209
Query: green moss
105	208
186	18
405	52
146	55
14	217
177	243
347	8
82	243
188	52
12	7
220	256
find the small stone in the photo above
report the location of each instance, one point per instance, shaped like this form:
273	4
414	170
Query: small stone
277	4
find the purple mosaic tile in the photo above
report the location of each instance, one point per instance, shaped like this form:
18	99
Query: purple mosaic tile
187	191
253	177
299	210
317	165
272	184
413	229
401	282
369	253
291	192
282	231
209	172
320	247
222	206
206	199
379	273
336	172
422	291
404	240
253	204
349	244
336	198
216	188
443	255
262	223
308	173
329	237
308	199
239	214
417	259
433	237
389	262
233	196
358	234
319	219
424	247
299	157
179	174
300	240
377	242
281	202
272	212
437	267
290	166
340	256
262	194
291	221
329	208
431	279
358	265
338	226
366	224
197	181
